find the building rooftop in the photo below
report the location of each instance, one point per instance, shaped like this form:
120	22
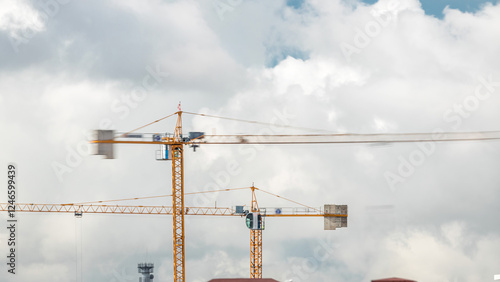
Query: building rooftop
243	279
394	279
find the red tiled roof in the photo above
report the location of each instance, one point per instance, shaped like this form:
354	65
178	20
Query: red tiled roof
242	279
394	280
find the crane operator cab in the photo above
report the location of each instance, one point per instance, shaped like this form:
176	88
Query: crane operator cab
255	221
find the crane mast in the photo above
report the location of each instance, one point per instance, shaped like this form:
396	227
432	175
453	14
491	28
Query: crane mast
178	202
178	211
255	243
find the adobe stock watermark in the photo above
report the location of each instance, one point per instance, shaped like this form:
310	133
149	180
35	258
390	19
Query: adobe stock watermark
302	269
223	7
373	28
454	117
48	9
222	178
122	107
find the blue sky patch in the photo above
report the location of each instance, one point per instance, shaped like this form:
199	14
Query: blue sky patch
277	56
436	7
295	3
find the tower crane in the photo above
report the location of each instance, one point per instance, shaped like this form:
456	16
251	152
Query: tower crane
173	149
335	216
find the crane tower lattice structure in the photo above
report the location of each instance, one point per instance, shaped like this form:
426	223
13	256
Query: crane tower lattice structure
176	143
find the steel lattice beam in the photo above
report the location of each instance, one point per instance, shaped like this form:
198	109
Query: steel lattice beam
178	209
255	253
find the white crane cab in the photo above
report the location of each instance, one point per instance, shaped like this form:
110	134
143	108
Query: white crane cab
255	221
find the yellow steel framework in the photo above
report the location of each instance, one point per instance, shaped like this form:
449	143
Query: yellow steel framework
177	143
178	202
178	211
152	210
118	209
255	253
255	243
255	235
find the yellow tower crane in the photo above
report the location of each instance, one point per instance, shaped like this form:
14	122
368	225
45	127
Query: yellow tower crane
334	216
255	240
174	145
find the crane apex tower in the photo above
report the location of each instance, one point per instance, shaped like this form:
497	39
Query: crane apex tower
146	269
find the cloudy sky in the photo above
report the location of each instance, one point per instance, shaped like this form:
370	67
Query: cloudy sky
427	212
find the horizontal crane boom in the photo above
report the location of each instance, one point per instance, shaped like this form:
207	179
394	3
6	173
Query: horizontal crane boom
159	210
147	138
347	138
